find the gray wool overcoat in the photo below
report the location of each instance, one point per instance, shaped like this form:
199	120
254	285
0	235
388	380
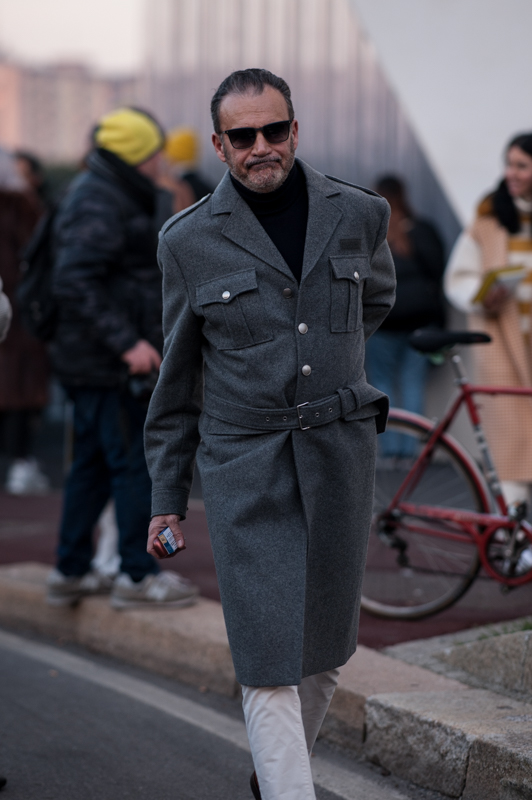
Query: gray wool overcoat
263	382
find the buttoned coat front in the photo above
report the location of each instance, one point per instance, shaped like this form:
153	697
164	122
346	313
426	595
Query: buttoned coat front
288	508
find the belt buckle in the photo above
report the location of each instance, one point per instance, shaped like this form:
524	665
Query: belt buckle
299	417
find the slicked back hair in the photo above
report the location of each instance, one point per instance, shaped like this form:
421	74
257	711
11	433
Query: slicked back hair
251	81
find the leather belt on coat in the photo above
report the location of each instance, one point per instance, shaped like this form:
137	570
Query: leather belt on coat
303	416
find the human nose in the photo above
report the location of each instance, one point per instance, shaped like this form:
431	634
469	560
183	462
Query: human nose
261	146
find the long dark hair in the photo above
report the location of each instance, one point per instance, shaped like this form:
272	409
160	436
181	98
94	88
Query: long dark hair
504	207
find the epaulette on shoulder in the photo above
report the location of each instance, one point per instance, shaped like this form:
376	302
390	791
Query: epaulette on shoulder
186	211
485	207
353	185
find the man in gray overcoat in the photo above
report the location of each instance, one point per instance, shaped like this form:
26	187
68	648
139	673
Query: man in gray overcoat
272	284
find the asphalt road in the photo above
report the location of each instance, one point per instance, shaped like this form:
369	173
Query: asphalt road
80	727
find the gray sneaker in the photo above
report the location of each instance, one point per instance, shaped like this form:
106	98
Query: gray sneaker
68	590
167	589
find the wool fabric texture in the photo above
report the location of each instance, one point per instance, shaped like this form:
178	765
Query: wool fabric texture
288	510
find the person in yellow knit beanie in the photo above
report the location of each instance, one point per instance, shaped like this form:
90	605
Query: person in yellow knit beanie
106	351
131	134
182	152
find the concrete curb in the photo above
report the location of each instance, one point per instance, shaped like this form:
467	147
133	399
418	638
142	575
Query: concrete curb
187	644
425	727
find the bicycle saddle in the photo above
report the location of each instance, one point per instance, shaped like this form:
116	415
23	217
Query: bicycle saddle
430	340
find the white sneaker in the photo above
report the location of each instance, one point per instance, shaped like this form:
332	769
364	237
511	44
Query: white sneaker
168	589
68	590
25	477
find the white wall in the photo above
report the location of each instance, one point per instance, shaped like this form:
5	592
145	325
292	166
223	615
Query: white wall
461	70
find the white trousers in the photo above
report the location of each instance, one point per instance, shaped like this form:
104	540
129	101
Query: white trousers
283	724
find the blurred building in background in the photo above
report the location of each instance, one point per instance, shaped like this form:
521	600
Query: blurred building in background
50	110
351	123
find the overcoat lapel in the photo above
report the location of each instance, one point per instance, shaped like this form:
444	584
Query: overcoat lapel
244	229
323	217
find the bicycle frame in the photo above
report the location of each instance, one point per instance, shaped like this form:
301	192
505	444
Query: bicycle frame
465	525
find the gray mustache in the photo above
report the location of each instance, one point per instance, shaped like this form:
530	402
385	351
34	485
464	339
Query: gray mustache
255	161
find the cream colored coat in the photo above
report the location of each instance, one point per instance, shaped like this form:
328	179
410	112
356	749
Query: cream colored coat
505	362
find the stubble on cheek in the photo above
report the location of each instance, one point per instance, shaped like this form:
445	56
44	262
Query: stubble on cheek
260	179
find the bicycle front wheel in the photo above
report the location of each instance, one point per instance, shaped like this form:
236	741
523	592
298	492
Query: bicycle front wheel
415	567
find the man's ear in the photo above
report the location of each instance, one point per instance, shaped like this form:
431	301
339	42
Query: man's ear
218	146
295	133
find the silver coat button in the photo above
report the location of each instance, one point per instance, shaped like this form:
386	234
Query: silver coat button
356	275
302	328
306	370
226	295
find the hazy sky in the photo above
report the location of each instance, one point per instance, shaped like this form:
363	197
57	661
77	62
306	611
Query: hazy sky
105	33
460	70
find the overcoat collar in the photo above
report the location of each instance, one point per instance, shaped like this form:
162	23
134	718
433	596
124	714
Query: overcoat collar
244	229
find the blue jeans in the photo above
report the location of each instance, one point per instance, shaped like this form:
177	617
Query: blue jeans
108	462
395	368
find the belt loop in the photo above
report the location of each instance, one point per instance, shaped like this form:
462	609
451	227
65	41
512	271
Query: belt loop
347	401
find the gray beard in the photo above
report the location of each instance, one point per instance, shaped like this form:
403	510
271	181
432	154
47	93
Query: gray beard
270	185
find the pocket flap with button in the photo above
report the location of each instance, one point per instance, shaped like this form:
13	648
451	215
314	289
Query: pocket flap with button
235	316
347	275
226	288
351	267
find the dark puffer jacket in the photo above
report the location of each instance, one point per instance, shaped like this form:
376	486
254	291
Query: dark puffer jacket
106	278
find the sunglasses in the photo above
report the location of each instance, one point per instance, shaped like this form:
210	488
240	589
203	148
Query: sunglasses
274	133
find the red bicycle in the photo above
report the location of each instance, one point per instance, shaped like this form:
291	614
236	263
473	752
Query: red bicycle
439	517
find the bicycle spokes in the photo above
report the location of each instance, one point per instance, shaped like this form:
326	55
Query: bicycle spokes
417	566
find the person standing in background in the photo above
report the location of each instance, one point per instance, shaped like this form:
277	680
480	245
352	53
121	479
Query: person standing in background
501	235
183	152
31	171
5	322
23	360
106	353
392	365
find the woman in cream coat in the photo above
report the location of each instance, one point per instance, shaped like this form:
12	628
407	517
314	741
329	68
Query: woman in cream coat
501	235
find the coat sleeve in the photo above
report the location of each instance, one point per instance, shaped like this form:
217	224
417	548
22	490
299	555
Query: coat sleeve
89	241
379	289
171	434
463	276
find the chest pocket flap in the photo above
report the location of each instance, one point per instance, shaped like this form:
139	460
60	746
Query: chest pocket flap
234	311
226	288
347	276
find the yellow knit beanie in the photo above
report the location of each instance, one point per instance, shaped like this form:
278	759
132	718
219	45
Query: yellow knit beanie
130	134
182	145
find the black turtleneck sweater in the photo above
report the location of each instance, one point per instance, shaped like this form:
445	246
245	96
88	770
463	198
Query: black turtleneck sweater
283	214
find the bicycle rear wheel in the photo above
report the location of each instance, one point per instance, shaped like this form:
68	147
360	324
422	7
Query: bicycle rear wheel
412	574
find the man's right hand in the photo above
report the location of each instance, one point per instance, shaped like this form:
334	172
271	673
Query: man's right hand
158	524
142	358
